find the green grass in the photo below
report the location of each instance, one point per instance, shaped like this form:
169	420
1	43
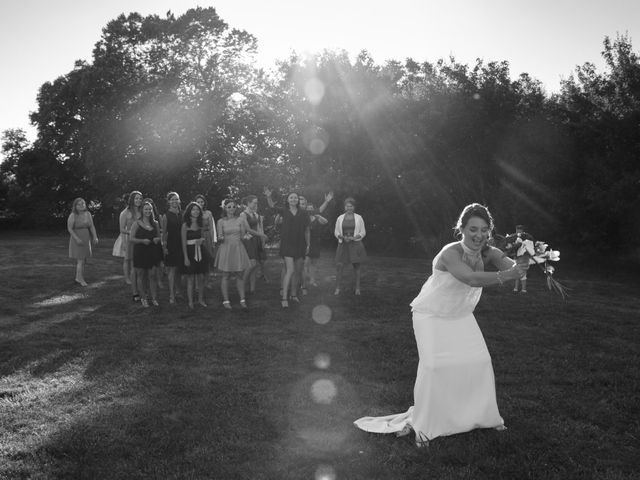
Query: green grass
93	386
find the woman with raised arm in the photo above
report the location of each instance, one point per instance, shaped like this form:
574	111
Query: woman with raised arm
455	387
315	228
83	234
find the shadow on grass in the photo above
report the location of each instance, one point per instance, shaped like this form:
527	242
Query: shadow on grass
100	388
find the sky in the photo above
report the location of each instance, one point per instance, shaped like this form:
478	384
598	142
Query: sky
41	39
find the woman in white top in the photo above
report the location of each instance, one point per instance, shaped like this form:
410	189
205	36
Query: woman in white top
455	386
349	231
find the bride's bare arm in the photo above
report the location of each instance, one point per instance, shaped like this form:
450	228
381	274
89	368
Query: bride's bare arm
452	261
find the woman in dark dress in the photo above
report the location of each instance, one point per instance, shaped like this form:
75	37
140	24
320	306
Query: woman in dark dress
194	252
252	240
158	268
172	243
145	238
294	244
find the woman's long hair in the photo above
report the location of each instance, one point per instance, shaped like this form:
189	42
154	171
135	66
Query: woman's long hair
186	218
132	200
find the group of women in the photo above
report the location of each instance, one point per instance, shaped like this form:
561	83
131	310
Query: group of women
454	390
190	243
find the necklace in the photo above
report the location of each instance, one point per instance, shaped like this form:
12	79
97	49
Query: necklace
472	258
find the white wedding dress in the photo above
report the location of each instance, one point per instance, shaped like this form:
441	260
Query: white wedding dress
455	386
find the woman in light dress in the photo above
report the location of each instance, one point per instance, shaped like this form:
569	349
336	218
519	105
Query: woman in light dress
231	257
454	390
83	234
121	247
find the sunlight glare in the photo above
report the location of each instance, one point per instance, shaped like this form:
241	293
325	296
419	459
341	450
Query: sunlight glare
325	472
314	91
58	300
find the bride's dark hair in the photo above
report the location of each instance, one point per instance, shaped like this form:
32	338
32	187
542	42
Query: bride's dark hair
473	210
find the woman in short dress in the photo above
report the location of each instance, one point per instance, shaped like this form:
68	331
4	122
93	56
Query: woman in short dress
158	267
128	216
294	245
171	224
231	257
145	238
315	234
252	239
83	234
194	253
349	231
208	224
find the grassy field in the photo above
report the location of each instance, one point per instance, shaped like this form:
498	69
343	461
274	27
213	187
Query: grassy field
94	386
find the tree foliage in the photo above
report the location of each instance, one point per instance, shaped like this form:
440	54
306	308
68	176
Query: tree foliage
177	103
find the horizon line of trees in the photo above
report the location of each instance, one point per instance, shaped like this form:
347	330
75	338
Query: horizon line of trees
178	103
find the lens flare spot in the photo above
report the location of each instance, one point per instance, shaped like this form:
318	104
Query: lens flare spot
321	314
314	91
323	391
317	146
476	96
325	472
322	361
316	140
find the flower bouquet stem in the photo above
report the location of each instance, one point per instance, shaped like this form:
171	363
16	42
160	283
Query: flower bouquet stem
552	283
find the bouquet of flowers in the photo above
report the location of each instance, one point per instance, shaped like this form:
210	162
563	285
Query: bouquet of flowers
523	247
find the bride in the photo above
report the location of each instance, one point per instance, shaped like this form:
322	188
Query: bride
455	386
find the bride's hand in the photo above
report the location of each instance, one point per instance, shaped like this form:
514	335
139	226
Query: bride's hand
516	272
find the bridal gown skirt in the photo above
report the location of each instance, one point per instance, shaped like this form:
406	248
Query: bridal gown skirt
455	386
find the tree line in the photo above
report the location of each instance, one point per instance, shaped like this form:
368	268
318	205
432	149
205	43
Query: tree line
179	103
